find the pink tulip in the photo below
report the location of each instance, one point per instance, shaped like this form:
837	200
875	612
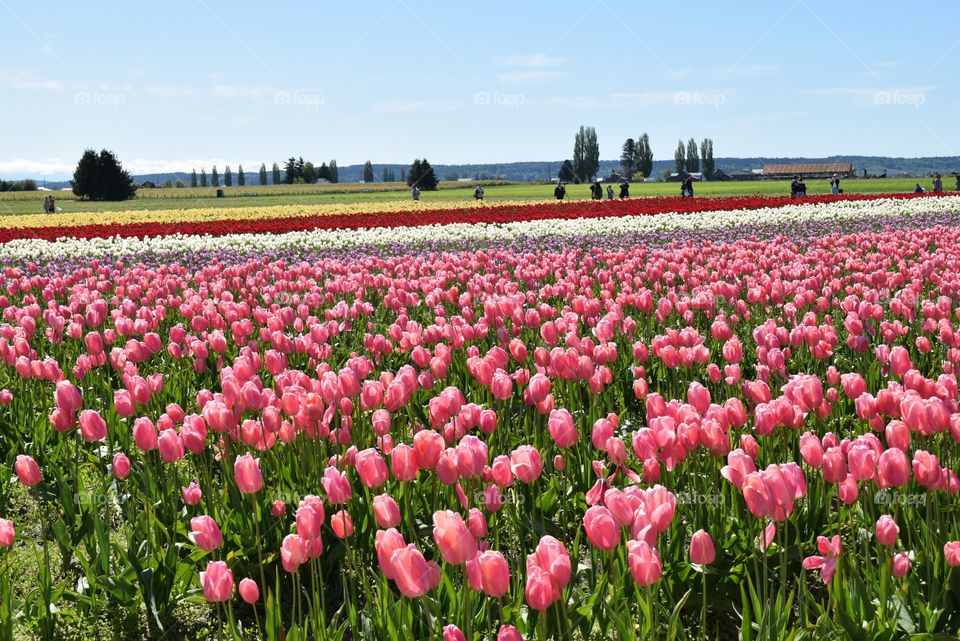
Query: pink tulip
540	591
893	469
826	561
454	540
645	567
702	551
28	472
342	524
386	511
121	466
67	398
205	533
427	446
217	582
191	494
386	542
170	445
900	565
601	528
562	429
144	434
310	517
336	486
249	591
413	575
246	471
453	633
951	552
294	552
371	468
7	533
471	456
488	573
403	462
92	426
508	633
887	530
525	463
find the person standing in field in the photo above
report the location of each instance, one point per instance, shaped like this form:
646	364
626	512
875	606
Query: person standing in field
596	191
478	193
609	192
686	187
625	189
958	182
918	189
46	204
937	184
560	191
835	185
415	192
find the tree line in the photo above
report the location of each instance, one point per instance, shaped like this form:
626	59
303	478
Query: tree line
636	157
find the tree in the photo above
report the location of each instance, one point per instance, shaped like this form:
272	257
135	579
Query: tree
592	153
227	177
421	174
693	157
102	177
203	177
579	154
276	174
644	156
309	174
403	174
388	175
179	184
586	154
368	172
193	178
679	157
324	172
215	177
628	157
566	174
334	172
290	172
706	157
241	179
263	174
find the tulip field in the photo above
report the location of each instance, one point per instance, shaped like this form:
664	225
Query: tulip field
657	418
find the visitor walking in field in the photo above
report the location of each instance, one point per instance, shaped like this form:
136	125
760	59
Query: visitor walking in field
596	191
46	204
937	184
686	187
625	189
560	191
478	193
415	192
609	192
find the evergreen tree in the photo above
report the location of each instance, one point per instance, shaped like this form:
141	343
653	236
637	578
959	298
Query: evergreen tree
101	177
693	157
290	172
403	175
368	172
579	154
422	175
203	177
324	172
591	153
227	177
263	174
679	157
193	178
334	172
241	179
215	177
276	174
644	156
566	174
628	157
706	157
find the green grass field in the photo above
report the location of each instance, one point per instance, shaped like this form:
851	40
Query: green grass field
12	203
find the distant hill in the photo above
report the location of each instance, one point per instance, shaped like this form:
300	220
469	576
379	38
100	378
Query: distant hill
532	171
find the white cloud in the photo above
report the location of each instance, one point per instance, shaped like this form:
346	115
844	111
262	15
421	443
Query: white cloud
406	106
26	168
530	60
24	79
515	77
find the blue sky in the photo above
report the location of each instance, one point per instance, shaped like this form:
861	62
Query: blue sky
173	85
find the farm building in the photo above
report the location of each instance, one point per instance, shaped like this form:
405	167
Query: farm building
745	174
809	170
677	177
